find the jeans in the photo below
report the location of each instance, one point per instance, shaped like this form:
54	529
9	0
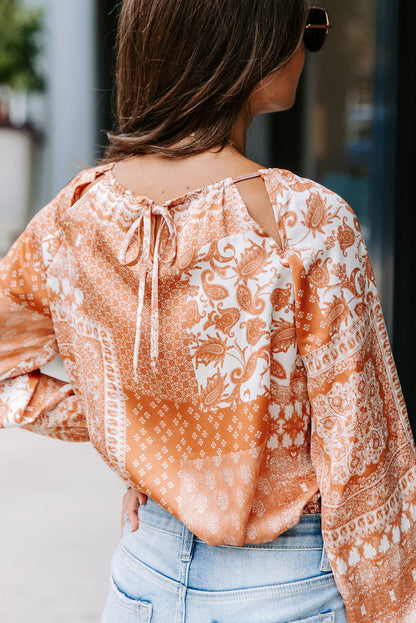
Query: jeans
162	573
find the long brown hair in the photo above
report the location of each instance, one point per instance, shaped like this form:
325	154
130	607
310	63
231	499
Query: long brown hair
186	68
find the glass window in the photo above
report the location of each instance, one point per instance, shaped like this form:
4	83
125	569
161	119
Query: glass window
349	122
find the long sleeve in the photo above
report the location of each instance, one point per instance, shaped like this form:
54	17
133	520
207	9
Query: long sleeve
362	447
29	398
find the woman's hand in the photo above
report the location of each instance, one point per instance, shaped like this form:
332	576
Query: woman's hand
131	501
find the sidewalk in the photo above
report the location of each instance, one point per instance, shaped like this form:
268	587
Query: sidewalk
59	525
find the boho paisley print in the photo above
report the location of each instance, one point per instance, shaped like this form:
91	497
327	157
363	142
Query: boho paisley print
238	383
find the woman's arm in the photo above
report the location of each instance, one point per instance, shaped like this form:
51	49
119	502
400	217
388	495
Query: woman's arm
361	442
29	398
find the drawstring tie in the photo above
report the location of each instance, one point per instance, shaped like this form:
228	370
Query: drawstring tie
144	226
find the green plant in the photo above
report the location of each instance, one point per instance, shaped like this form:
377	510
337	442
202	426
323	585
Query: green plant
20	45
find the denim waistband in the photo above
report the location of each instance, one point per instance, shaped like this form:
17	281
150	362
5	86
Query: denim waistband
306	533
163	561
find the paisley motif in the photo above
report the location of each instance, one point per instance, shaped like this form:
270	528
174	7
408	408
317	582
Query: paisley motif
316	217
255	330
215	387
191	315
223	319
282	297
186	258
319	274
346	236
251	262
277	370
247	302
210	350
335	314
212	291
283	337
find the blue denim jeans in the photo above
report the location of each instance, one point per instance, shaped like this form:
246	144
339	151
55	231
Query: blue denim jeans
162	573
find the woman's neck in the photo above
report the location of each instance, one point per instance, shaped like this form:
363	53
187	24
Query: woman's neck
239	133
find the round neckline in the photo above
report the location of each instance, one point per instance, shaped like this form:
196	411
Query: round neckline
222	183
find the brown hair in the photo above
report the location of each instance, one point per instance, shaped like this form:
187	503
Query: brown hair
188	67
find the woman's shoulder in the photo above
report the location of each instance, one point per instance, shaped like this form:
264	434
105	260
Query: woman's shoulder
306	207
44	227
299	188
81	183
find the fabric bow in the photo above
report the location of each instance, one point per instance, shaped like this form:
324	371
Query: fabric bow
149	245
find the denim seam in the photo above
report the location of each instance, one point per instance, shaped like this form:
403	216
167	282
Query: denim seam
291	588
187	547
264	549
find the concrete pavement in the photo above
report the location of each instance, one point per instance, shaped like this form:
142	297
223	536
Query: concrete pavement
60	509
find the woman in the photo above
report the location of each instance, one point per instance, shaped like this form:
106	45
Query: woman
221	330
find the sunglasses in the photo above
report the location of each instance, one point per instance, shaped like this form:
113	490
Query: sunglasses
316	29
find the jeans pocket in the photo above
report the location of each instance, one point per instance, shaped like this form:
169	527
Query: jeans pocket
327	617
121	608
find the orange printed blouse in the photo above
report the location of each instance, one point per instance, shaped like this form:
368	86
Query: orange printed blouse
232	380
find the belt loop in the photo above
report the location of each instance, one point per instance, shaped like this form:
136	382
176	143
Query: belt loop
325	564
187	544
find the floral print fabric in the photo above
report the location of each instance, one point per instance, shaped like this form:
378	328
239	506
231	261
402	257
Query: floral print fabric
232	380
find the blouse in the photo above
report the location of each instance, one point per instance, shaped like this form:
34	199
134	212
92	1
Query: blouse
233	380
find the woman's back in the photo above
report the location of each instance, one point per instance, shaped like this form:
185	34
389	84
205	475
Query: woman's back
196	342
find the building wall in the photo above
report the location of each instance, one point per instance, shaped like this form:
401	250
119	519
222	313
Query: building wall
66	113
